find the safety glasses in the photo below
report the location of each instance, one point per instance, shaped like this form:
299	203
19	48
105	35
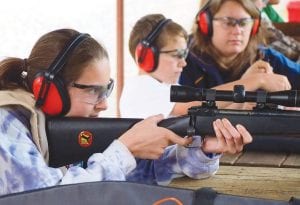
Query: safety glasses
94	94
177	53
229	22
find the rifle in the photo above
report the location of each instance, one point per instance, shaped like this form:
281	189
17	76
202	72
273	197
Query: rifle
73	139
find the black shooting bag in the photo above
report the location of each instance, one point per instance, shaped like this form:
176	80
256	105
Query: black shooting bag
127	193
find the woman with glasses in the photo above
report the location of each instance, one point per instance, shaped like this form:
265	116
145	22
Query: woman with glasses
159	47
226	50
66	74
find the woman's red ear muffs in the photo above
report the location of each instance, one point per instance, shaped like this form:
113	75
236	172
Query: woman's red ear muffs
205	23
255	27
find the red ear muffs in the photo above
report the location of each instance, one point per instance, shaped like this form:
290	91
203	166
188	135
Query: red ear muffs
48	87
147	54
255	27
204	21
147	57
54	95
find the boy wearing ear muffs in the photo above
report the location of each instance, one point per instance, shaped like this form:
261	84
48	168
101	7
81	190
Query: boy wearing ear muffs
159	47
227	50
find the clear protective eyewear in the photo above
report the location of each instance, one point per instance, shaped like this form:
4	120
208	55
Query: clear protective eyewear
229	22
177	53
94	94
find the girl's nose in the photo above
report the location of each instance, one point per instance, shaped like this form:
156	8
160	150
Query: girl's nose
182	62
102	104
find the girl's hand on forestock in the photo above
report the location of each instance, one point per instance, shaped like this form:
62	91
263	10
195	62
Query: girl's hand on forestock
229	139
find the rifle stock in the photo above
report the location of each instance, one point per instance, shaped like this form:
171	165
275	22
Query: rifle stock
63	133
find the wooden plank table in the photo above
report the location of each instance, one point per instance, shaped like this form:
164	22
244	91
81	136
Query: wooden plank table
262	159
253	174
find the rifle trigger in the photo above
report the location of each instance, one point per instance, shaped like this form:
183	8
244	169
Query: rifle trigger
191	131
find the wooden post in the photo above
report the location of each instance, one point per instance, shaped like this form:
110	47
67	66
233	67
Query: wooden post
120	51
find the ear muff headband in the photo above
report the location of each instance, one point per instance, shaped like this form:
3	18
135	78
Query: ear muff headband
48	88
146	54
156	31
61	58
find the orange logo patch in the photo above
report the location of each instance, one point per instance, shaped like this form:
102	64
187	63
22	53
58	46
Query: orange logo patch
85	139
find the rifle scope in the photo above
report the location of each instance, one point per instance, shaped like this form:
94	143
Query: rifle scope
288	98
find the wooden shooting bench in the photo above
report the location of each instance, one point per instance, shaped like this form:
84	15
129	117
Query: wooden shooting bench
256	174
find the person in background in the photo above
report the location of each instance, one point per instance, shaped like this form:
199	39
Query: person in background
159	47
267	9
274	37
270	12
226	50
67	74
